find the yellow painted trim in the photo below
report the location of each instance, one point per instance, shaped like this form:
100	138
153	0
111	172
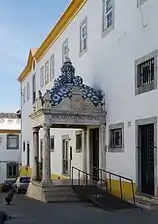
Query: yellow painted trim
7	131
27	69
24	171
126	189
69	14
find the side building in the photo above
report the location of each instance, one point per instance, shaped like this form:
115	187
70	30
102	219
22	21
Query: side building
113	46
10	147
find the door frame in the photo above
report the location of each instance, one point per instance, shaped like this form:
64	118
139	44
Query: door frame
66	138
91	151
139	122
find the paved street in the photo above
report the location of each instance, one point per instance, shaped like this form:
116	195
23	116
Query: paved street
30	211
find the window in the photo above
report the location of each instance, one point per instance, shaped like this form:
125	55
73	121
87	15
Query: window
46	72
146	73
23	146
28	91
79	141
65	51
52	143
28	154
52	67
83	36
24	95
108	15
12	141
42	76
12	170
41	149
116	137
34	88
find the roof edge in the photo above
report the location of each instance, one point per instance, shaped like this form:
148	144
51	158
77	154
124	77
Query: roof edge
72	10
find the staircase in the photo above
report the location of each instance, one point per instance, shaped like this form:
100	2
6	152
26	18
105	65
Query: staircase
98	192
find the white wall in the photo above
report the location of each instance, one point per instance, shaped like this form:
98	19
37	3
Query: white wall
110	64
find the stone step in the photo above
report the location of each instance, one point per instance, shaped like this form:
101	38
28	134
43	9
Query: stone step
146	202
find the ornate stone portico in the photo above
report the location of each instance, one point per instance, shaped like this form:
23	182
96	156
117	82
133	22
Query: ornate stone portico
69	104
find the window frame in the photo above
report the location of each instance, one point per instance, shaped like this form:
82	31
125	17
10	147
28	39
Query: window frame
34	88
42	76
152	85
17	142
28	154
105	31
64	44
46	72
52	69
24	95
28	91
78	149
113	147
7	170
82	25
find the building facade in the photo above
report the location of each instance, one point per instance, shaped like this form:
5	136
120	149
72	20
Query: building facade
10	153
113	46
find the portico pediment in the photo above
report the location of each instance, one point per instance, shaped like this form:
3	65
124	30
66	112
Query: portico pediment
70	101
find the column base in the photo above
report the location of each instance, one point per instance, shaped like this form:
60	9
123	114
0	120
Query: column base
46	182
51	192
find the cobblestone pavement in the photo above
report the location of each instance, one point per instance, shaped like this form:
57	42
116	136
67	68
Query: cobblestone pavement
25	210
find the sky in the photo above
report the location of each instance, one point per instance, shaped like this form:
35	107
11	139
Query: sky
23	25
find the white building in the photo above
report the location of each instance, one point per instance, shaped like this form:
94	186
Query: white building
10	153
113	46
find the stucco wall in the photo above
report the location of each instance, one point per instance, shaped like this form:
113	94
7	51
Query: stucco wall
109	64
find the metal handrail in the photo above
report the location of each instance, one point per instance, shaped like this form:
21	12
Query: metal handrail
102	181
120	180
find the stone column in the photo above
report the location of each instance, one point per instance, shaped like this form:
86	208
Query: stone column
102	155
46	171
84	149
35	153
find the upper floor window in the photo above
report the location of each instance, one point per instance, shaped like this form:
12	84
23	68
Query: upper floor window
42	76
83	36
24	94
65	51
12	141
146	73
28	91
34	88
52	67
108	15
46	72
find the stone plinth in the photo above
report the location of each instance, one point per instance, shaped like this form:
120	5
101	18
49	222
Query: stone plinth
56	192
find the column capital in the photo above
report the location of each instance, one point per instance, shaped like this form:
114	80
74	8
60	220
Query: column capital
47	125
84	130
36	129
102	127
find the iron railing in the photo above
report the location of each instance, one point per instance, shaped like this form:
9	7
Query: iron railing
108	177
85	179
